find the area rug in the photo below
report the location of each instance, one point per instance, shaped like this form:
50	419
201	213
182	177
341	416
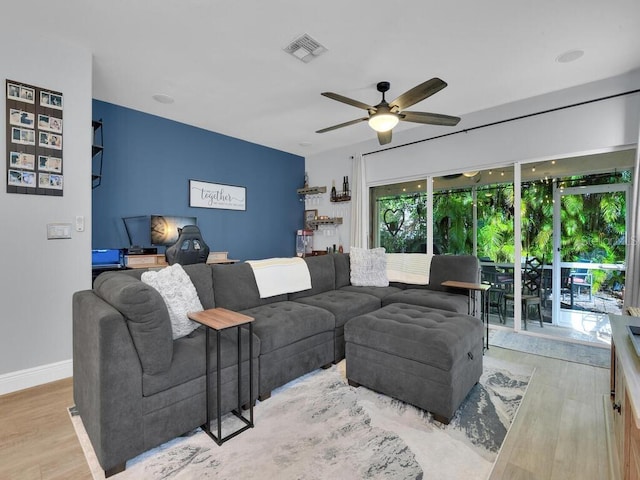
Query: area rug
319	427
571	352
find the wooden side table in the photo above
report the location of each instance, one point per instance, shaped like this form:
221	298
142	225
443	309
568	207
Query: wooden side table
483	288
220	319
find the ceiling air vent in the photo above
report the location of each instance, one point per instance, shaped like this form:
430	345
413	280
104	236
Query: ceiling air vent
305	48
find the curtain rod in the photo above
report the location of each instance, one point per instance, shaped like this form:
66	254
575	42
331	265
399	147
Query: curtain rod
466	130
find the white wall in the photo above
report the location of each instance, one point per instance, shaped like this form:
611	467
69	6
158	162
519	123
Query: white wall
38	276
590	128
332	168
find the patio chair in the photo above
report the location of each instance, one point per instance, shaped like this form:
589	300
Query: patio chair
579	279
532	292
573	281
501	283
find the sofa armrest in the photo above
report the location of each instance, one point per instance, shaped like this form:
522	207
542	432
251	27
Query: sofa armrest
107	380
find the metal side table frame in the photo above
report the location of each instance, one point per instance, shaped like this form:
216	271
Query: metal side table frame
220	319
483	288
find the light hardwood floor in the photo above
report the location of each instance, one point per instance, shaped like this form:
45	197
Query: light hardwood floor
559	432
37	440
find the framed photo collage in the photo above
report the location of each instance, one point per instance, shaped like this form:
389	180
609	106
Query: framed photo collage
34	140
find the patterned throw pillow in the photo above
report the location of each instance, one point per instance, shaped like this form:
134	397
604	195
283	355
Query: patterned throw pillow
368	267
180	295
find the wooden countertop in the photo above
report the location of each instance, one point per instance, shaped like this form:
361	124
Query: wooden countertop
628	359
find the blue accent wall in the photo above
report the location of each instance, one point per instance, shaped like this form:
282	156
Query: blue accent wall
148	162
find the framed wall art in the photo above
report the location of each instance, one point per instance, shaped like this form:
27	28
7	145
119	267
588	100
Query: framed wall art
216	195
34	140
309	215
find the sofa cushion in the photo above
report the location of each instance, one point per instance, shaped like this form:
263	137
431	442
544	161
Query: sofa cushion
462	268
146	314
452	302
202	278
343	304
281	324
368	267
189	361
236	288
343	269
426	335
179	294
380	292
323	276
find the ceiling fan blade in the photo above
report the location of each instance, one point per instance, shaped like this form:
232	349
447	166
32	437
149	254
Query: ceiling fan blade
345	124
347	100
429	118
418	93
384	137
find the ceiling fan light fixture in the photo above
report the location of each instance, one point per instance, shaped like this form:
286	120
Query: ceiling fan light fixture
383	122
470	174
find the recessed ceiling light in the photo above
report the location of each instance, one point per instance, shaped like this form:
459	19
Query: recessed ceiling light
570	56
163	98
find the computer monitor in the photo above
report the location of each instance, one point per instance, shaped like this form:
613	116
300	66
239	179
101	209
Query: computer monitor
106	258
164	228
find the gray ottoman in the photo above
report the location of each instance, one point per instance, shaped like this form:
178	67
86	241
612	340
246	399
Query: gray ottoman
427	357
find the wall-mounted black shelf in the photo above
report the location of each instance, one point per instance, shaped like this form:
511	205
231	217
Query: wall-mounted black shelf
97	150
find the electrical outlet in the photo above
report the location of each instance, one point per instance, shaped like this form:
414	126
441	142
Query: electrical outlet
79	223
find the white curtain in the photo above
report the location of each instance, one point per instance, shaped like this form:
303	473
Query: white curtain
359	204
632	278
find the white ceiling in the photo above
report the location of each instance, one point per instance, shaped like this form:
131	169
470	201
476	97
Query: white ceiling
223	63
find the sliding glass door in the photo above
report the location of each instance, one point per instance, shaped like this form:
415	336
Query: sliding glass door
590	256
568	214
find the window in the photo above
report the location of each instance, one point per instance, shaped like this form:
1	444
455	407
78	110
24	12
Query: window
399	217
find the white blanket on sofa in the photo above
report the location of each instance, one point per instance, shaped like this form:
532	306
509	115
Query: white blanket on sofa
409	268
276	276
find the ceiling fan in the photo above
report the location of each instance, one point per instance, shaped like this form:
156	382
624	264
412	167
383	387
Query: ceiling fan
384	116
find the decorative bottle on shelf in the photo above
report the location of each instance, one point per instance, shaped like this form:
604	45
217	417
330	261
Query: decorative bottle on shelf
334	194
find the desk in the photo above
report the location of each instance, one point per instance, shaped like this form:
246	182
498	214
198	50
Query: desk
221	261
219	319
483	288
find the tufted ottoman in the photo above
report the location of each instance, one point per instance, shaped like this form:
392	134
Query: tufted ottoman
427	357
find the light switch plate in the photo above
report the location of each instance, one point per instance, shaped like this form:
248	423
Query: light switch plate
58	230
79	223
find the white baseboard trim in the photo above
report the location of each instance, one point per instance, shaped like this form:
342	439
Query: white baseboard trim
31	377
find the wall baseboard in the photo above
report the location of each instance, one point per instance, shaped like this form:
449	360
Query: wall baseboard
31	377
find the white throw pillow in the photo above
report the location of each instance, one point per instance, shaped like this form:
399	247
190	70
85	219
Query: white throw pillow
368	267
179	294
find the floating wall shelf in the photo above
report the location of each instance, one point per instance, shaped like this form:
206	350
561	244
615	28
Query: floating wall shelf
325	221
342	197
312	190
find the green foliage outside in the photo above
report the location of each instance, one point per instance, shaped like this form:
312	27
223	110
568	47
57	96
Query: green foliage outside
593	224
402	223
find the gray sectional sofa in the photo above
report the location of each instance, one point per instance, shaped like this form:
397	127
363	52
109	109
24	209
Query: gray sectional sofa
135	387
